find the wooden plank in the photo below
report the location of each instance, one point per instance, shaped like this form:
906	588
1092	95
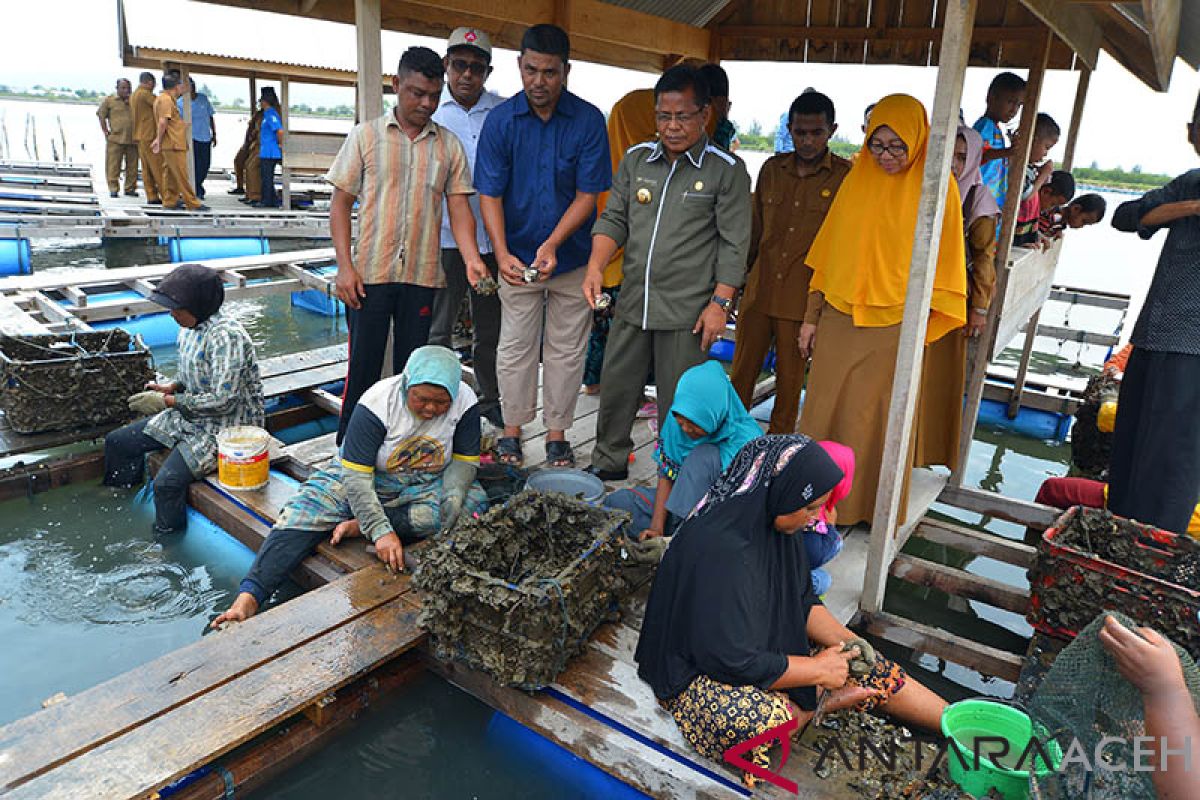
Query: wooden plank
1162	18
297	381
1004	319
942	644
33	746
1027	284
369	93
990	504
1032	398
979	543
27	480
323	400
1066	384
955	51
211	724
15	321
924	486
1072	335
13	443
1018	387
960	583
1084	297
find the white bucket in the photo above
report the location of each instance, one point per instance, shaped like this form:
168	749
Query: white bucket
243	458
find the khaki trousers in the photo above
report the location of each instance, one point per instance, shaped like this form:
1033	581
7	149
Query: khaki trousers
114	154
239	166
755	333
178	185
152	171
550	318
627	358
253	177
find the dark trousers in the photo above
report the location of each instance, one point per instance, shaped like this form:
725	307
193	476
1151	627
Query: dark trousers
756	333
266	170
281	553
202	158
402	308
485	324
1154	470
125	464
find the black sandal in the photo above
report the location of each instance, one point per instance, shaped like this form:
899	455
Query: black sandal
508	451
560	454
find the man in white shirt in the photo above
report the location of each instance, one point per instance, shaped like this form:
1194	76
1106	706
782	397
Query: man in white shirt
463	108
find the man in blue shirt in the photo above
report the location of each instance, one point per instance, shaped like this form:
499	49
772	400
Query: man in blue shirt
270	147
204	134
543	159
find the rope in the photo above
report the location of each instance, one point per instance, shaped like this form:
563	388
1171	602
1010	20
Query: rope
562	604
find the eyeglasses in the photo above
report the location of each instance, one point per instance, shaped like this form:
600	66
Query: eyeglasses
894	150
682	118
474	67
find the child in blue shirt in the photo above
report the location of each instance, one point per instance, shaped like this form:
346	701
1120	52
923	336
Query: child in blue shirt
1004	98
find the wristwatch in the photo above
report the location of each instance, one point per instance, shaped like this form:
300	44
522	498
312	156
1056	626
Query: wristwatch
725	303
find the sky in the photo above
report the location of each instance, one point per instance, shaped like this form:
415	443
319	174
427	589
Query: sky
1125	123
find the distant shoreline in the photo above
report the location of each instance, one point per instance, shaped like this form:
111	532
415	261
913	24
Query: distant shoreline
87	101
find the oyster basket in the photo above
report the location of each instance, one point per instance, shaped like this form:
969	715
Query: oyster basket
1069	587
521	632
77	380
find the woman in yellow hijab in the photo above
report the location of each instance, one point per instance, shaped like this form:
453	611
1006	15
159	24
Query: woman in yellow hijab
860	261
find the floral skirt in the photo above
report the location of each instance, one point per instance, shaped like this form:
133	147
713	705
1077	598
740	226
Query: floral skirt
715	716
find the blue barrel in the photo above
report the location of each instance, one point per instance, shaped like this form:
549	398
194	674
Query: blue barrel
318	302
199	248
1033	422
156	330
15	257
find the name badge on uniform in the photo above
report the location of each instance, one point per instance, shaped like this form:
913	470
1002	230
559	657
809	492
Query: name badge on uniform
825	193
643	195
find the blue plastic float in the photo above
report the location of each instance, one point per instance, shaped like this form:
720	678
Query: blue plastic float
199	248
15	257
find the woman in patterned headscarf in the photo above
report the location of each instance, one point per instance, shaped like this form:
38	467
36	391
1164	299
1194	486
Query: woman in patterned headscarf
729	642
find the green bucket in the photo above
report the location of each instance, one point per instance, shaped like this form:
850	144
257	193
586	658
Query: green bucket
963	722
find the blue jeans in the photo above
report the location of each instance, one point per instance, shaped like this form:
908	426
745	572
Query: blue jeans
125	465
698	472
821	549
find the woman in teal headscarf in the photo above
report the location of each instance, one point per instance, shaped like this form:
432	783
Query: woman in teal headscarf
704	431
407	470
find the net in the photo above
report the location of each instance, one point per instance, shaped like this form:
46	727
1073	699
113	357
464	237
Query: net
1084	699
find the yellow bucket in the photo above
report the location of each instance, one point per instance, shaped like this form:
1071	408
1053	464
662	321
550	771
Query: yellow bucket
243	458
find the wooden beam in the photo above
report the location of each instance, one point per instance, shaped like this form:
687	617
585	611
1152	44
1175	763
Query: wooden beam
184	76
1162	18
977	369
1031	332
830	33
945	645
27	480
943	130
1074	25
285	106
1089	297
370	58
306	6
1081	92
978	543
990	504
1073	335
960	583
251	68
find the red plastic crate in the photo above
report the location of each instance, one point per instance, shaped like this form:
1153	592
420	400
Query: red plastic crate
1169	608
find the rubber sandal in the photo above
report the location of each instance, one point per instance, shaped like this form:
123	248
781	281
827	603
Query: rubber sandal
508	451
560	454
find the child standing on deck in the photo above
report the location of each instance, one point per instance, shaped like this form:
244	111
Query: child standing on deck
1038	172
822	541
1004	99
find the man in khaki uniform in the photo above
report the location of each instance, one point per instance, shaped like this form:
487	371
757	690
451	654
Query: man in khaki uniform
116	120
145	129
253	177
171	141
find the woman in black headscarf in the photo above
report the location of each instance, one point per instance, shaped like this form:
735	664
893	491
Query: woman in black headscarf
217	387
728	639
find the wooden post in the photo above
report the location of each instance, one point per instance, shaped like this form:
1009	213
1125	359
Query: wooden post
1018	389
367	23
253	94
943	130
286	115
184	76
977	369
1081	90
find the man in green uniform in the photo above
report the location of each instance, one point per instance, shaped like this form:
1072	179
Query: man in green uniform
681	209
116	120
145	129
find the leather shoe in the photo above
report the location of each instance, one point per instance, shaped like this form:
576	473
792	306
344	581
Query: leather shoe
608	474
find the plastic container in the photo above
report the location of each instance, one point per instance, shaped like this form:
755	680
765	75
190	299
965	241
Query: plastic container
1069	587
1033	422
963	722
243	458
15	257
571	482
199	248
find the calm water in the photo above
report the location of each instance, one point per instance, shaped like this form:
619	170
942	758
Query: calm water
80	573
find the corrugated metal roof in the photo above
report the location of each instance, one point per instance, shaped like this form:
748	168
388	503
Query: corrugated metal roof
689	12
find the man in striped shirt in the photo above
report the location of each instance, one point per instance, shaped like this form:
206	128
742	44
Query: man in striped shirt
398	167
